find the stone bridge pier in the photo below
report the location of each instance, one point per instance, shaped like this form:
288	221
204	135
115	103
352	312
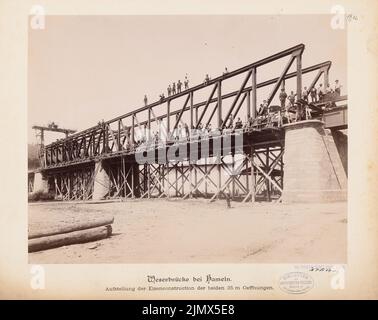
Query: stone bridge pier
314	171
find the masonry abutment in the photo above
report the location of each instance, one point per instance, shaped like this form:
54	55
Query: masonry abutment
313	168
40	183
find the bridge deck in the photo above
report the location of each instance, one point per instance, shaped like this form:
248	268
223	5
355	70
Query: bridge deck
257	138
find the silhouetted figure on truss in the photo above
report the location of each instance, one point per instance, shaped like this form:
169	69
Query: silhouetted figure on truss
282	97
186	83
179	84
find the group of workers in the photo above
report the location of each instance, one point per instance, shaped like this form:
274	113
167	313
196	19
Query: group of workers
290	109
172	89
207	77
182	132
316	94
177	87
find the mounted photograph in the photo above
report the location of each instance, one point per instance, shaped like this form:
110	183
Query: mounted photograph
187	139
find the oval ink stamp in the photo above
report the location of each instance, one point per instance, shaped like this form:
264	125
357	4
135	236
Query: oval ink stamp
296	282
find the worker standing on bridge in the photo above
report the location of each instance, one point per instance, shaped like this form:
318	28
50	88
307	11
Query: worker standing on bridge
225	71
169	90
199	129
264	108
338	87
292	98
186	127
174	88
283	96
145	100
238	124
207	79
186	82
250	121
320	93
329	89
179	84
305	94
313	95
179	132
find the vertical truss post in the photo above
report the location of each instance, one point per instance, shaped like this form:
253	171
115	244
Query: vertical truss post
219	105
176	178
148	180
119	136
246	173
167	178
162	176
219	167
326	78
248	104
182	179
282	169
253	178
133	130
299	75
205	179
168	119
196	122
268	184
159	173
254	93
106	138
233	177
149	125
195	173
191	111
190	179
132	181
42	137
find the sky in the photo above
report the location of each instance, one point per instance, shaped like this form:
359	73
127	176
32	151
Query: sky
82	69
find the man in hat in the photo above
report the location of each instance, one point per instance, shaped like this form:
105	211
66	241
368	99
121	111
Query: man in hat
207	79
320	93
305	94
283	96
292	98
313	95
179	84
337	87
186	83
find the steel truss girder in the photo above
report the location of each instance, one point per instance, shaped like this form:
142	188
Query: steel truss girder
104	140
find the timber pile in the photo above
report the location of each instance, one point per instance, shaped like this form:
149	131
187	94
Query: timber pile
72	234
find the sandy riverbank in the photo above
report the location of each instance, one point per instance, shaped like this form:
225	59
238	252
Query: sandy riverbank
194	231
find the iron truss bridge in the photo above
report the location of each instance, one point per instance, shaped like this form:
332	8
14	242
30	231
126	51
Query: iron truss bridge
198	120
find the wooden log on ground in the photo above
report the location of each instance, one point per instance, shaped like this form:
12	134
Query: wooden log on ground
70	228
65	239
